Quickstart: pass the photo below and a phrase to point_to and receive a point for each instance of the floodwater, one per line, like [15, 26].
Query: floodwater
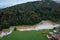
[6, 33]
[42, 25]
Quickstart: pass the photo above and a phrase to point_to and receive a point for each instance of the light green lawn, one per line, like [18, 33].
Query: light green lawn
[27, 35]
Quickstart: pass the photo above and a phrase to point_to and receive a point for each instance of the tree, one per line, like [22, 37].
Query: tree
[46, 0]
[0, 27]
[5, 25]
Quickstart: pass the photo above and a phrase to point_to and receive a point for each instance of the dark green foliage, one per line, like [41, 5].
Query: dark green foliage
[15, 29]
[4, 25]
[29, 13]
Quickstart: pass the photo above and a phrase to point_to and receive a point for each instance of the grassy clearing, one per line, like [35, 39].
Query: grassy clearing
[27, 35]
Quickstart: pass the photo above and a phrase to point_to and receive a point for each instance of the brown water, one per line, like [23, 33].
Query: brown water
[42, 25]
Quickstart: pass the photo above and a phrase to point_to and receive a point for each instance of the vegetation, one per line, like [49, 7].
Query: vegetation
[29, 13]
[58, 28]
[27, 35]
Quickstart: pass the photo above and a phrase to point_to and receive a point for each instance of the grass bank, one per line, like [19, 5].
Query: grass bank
[27, 35]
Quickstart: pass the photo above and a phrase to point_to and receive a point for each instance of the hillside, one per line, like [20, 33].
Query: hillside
[29, 13]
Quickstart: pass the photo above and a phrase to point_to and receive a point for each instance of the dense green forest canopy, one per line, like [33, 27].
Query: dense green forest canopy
[29, 13]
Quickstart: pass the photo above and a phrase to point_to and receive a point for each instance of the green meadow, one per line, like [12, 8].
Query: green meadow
[27, 35]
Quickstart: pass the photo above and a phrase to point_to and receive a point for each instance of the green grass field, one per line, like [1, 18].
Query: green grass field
[27, 35]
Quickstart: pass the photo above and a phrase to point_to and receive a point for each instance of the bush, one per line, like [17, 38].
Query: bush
[15, 29]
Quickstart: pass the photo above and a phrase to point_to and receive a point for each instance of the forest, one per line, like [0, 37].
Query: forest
[29, 13]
